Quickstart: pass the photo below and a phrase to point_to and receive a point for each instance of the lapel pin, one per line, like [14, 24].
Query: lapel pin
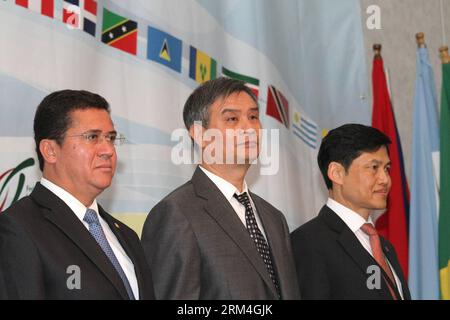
[117, 225]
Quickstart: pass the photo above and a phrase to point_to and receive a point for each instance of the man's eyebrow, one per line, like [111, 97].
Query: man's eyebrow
[380, 162]
[237, 110]
[99, 131]
[229, 110]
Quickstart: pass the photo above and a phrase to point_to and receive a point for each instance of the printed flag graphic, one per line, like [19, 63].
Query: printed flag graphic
[164, 49]
[44, 7]
[80, 14]
[277, 106]
[252, 83]
[305, 129]
[119, 32]
[201, 66]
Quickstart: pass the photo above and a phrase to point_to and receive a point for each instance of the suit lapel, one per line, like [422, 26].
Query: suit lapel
[116, 229]
[62, 217]
[351, 245]
[218, 207]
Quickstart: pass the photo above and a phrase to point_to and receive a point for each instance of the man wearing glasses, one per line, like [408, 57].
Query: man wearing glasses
[58, 242]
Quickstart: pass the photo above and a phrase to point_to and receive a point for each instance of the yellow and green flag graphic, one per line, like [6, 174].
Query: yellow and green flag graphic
[201, 66]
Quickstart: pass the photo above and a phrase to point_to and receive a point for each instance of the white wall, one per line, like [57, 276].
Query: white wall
[400, 21]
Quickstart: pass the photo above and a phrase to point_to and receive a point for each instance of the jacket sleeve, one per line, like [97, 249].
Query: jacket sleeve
[172, 252]
[20, 264]
[294, 290]
[311, 268]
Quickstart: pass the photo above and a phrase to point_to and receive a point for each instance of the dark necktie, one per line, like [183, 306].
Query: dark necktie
[96, 231]
[378, 254]
[258, 238]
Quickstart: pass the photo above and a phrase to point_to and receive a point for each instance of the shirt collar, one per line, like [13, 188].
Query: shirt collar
[227, 188]
[73, 203]
[353, 220]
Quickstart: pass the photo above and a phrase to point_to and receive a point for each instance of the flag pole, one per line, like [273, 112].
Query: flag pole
[377, 51]
[420, 39]
[445, 58]
[377, 55]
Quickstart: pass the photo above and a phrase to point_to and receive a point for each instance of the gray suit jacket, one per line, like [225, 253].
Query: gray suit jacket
[198, 248]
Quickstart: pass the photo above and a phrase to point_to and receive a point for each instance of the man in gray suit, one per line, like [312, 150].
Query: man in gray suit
[212, 238]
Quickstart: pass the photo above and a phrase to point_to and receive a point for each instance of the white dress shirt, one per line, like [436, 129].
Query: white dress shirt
[80, 210]
[228, 190]
[354, 221]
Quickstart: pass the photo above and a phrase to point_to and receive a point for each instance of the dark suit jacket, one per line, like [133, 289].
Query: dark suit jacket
[3, 295]
[198, 246]
[332, 264]
[40, 237]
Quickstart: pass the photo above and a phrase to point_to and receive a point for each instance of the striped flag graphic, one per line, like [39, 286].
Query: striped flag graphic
[305, 129]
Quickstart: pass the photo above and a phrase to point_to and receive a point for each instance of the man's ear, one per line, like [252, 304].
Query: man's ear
[196, 133]
[49, 150]
[336, 172]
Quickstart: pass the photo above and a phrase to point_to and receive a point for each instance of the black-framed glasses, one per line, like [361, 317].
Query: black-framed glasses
[95, 137]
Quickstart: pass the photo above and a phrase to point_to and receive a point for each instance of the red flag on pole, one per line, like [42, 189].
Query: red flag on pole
[393, 224]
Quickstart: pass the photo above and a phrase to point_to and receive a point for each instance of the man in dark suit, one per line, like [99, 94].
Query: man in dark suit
[58, 243]
[339, 254]
[212, 238]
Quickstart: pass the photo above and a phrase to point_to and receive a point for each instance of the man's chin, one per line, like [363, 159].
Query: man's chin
[380, 206]
[246, 160]
[102, 184]
[248, 157]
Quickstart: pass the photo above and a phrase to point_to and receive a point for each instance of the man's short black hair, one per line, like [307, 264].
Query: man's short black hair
[53, 115]
[197, 105]
[346, 143]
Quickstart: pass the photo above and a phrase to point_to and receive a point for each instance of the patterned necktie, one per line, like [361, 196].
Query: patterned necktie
[379, 255]
[258, 238]
[97, 232]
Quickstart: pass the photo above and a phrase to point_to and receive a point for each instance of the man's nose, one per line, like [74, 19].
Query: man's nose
[384, 177]
[246, 124]
[106, 147]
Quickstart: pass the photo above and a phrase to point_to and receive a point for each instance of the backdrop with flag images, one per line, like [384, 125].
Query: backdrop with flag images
[146, 57]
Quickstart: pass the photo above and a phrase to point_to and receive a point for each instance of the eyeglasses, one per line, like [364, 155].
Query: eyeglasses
[94, 137]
